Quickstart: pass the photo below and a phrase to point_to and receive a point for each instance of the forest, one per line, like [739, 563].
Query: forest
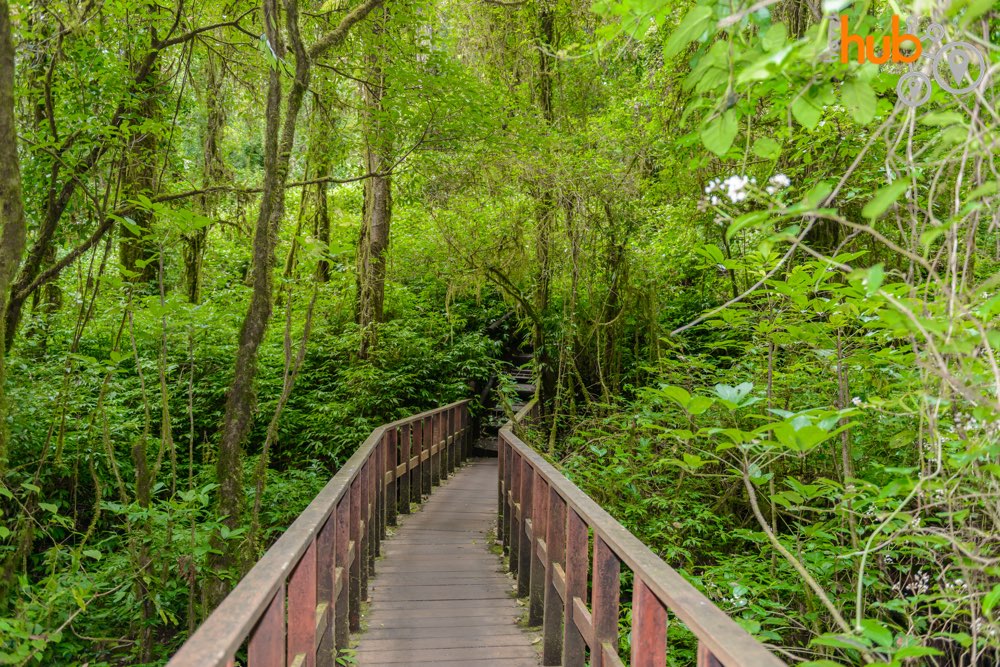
[760, 283]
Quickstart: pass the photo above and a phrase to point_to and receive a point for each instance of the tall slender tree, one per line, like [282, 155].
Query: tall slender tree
[279, 138]
[12, 222]
[377, 208]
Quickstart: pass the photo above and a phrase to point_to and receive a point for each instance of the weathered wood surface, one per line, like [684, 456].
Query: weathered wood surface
[440, 596]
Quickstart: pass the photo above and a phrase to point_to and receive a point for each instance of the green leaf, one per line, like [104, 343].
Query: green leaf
[885, 198]
[699, 404]
[746, 220]
[976, 9]
[877, 632]
[677, 394]
[873, 279]
[131, 225]
[860, 100]
[92, 553]
[806, 110]
[775, 37]
[719, 133]
[733, 394]
[690, 29]
[991, 599]
[942, 118]
[767, 148]
[916, 652]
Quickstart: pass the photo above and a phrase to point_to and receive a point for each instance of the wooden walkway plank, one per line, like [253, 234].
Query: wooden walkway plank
[440, 596]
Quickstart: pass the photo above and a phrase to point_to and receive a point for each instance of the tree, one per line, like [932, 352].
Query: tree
[373, 244]
[13, 228]
[281, 116]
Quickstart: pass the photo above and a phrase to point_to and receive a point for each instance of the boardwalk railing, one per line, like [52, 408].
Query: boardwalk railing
[299, 603]
[546, 524]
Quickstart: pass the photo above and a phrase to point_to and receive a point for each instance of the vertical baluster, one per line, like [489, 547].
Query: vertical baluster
[426, 440]
[552, 617]
[705, 656]
[467, 433]
[508, 473]
[539, 531]
[445, 426]
[649, 628]
[453, 436]
[342, 574]
[577, 547]
[302, 609]
[267, 639]
[607, 582]
[364, 528]
[392, 492]
[501, 504]
[514, 525]
[378, 475]
[372, 521]
[527, 539]
[436, 440]
[406, 481]
[325, 583]
[356, 562]
[462, 433]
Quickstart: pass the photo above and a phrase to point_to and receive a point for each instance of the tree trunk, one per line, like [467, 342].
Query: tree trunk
[545, 219]
[213, 172]
[238, 418]
[377, 209]
[13, 229]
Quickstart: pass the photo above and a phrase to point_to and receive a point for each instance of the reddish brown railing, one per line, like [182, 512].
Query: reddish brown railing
[546, 524]
[299, 603]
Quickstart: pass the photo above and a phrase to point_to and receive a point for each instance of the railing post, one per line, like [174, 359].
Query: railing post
[501, 486]
[343, 574]
[371, 519]
[445, 439]
[539, 542]
[461, 417]
[326, 572]
[453, 436]
[513, 500]
[577, 546]
[435, 427]
[392, 491]
[524, 547]
[555, 553]
[508, 474]
[649, 627]
[607, 583]
[364, 529]
[405, 493]
[426, 441]
[302, 610]
[355, 558]
[705, 656]
[267, 639]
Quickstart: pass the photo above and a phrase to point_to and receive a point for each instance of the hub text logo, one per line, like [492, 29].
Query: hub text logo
[958, 67]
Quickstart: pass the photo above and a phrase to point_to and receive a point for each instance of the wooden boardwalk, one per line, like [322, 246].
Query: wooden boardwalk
[439, 595]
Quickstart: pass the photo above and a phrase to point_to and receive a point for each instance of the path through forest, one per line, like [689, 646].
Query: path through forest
[440, 596]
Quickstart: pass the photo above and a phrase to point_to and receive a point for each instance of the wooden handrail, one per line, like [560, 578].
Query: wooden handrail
[545, 525]
[320, 566]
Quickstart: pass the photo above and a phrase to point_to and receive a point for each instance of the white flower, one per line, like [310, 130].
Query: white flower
[780, 181]
[736, 188]
[856, 400]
